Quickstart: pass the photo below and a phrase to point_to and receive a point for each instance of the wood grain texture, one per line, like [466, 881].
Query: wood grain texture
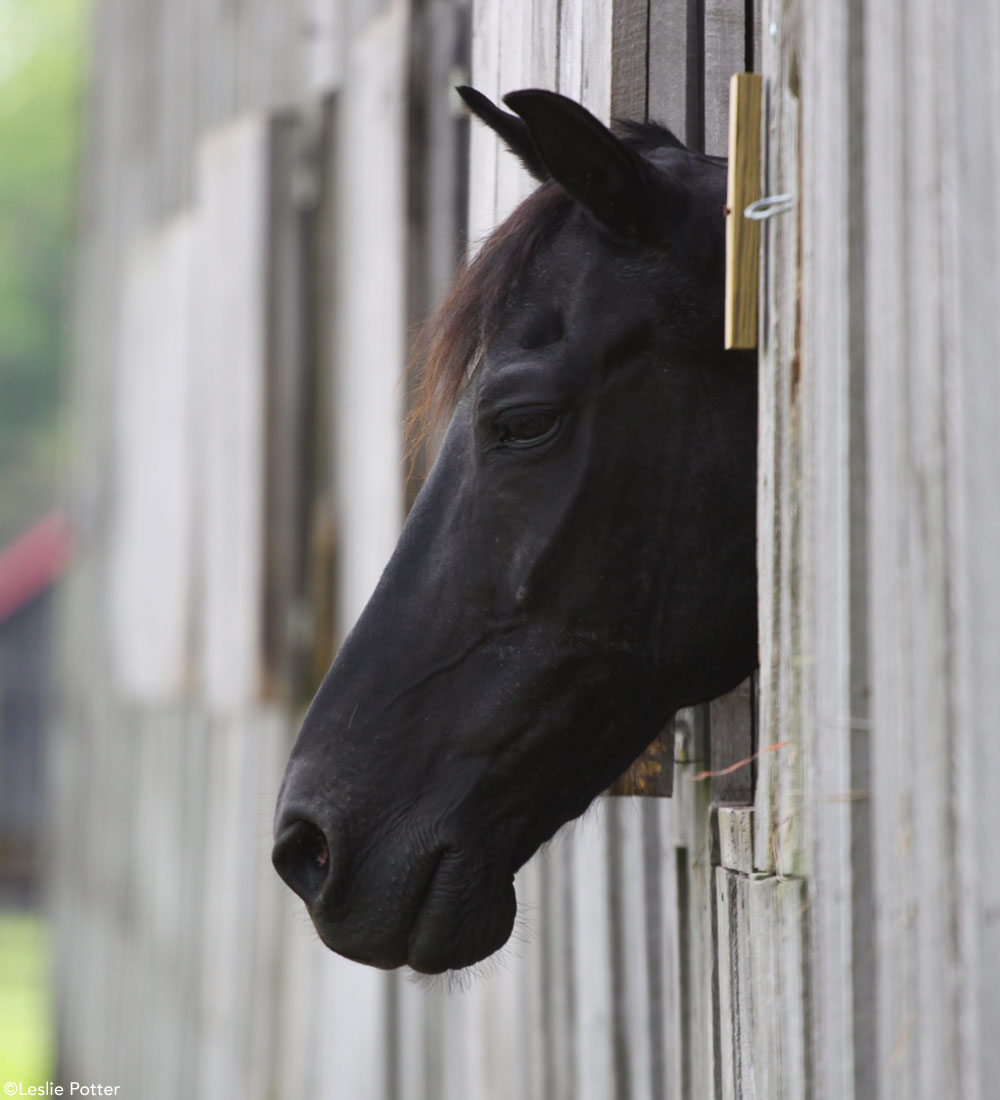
[725, 54]
[742, 233]
[673, 81]
[629, 50]
[972, 217]
[778, 838]
[731, 746]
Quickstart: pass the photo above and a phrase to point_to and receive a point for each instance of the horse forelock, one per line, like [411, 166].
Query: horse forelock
[453, 340]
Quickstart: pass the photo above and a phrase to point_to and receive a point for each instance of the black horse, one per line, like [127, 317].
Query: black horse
[578, 565]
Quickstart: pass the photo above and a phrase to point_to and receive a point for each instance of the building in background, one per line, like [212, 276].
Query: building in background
[30, 567]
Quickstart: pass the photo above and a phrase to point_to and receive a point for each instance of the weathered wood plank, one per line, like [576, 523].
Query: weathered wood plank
[370, 288]
[834, 509]
[666, 984]
[353, 1006]
[629, 41]
[730, 723]
[909, 82]
[596, 74]
[154, 522]
[290, 391]
[559, 1002]
[231, 867]
[570, 50]
[515, 71]
[776, 1041]
[674, 69]
[972, 284]
[593, 981]
[484, 149]
[777, 842]
[632, 976]
[230, 357]
[735, 825]
[725, 54]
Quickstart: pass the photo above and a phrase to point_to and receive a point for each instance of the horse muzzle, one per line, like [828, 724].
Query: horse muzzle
[405, 901]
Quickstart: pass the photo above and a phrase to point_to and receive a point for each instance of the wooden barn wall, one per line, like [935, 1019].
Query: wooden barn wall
[878, 559]
[274, 193]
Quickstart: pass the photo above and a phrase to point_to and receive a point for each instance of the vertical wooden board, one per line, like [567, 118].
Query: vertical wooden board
[230, 360]
[516, 44]
[973, 417]
[592, 976]
[668, 1043]
[233, 917]
[694, 906]
[484, 147]
[193, 811]
[556, 944]
[912, 709]
[895, 799]
[545, 44]
[217, 63]
[452, 1049]
[263, 780]
[157, 917]
[175, 90]
[629, 57]
[777, 467]
[776, 983]
[319, 31]
[673, 76]
[835, 541]
[290, 414]
[528, 964]
[735, 825]
[151, 553]
[731, 734]
[725, 54]
[371, 307]
[353, 1030]
[494, 1050]
[633, 976]
[571, 48]
[597, 58]
[730, 1017]
[225, 933]
[415, 1054]
[439, 58]
[300, 1028]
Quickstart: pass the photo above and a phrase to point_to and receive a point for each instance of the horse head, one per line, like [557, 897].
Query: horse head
[579, 563]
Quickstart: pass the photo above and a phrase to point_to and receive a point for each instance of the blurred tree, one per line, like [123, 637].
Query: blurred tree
[41, 55]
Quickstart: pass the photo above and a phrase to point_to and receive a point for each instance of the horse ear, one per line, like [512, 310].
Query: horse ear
[508, 127]
[583, 156]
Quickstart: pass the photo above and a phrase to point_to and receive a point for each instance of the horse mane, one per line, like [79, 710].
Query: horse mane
[453, 340]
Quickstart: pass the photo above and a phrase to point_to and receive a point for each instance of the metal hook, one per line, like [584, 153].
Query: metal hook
[769, 207]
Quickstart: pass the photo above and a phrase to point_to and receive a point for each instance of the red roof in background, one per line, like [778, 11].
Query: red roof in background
[33, 561]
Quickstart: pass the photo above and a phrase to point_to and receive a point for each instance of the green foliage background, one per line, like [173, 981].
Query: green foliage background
[25, 1028]
[41, 72]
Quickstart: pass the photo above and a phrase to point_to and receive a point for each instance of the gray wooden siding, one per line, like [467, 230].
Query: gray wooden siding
[273, 194]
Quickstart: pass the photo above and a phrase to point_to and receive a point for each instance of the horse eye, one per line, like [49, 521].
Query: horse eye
[527, 426]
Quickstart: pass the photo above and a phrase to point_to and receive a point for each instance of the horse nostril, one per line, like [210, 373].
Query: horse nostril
[301, 856]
